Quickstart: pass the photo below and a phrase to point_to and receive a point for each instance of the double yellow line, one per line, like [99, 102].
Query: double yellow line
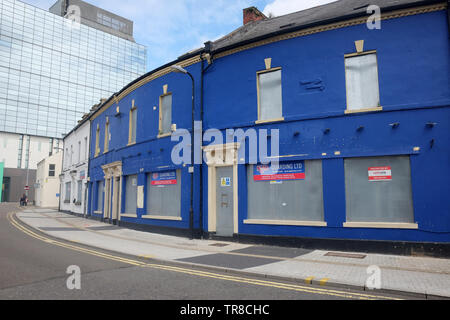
[69, 246]
[266, 283]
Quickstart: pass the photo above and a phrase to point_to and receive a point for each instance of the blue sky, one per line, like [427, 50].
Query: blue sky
[170, 28]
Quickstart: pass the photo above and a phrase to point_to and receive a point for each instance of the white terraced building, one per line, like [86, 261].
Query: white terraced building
[75, 169]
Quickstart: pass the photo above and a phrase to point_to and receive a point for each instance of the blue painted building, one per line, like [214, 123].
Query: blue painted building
[361, 113]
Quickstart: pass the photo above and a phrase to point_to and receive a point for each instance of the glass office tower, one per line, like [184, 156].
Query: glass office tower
[53, 70]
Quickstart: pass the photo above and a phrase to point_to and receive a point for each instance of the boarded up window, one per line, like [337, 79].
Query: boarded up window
[165, 114]
[361, 76]
[269, 95]
[378, 189]
[130, 194]
[133, 125]
[298, 199]
[100, 196]
[164, 193]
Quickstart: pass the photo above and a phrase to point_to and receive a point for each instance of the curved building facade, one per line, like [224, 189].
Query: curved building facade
[357, 119]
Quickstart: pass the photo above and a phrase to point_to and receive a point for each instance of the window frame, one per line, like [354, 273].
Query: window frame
[86, 153]
[79, 151]
[107, 136]
[386, 160]
[79, 192]
[160, 132]
[100, 198]
[71, 155]
[148, 191]
[302, 221]
[68, 192]
[127, 189]
[357, 54]
[97, 141]
[258, 91]
[51, 170]
[132, 128]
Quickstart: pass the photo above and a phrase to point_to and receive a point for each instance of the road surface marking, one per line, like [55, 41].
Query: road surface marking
[279, 285]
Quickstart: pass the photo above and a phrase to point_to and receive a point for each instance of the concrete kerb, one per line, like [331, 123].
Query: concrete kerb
[231, 271]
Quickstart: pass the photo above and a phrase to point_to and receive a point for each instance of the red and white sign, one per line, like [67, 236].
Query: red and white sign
[164, 178]
[26, 188]
[380, 173]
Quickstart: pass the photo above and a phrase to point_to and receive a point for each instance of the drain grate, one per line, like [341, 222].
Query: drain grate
[345, 255]
[218, 244]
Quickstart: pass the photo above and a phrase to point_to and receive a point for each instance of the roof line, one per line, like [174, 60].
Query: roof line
[256, 39]
[323, 22]
[114, 95]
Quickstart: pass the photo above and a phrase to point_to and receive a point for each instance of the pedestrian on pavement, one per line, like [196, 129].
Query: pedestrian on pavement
[23, 200]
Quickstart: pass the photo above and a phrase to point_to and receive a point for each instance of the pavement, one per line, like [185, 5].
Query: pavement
[418, 277]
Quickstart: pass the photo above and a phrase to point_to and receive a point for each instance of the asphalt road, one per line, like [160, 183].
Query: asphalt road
[33, 268]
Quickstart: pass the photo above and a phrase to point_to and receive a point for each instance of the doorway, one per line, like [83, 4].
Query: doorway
[222, 189]
[115, 199]
[113, 191]
[224, 201]
[5, 189]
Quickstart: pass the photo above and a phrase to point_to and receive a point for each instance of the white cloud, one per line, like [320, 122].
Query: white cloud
[282, 7]
[172, 28]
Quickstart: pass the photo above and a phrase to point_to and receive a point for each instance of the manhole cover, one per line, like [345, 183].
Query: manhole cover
[218, 244]
[186, 244]
[345, 255]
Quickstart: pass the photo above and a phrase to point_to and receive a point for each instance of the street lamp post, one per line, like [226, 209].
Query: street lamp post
[177, 68]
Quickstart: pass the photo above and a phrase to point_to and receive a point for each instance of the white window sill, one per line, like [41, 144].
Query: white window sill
[162, 135]
[286, 222]
[269, 120]
[128, 215]
[363, 110]
[148, 216]
[389, 225]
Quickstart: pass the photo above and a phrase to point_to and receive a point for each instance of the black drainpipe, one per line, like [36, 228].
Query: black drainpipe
[448, 17]
[207, 51]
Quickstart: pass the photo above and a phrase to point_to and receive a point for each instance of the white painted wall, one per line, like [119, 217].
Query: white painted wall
[47, 187]
[9, 147]
[75, 169]
[39, 148]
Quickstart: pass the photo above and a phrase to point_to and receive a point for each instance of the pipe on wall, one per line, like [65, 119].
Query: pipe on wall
[207, 50]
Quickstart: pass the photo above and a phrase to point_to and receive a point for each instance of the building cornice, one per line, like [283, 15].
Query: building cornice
[155, 75]
[332, 26]
[289, 35]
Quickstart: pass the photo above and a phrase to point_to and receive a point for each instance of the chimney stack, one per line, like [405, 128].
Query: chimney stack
[252, 14]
